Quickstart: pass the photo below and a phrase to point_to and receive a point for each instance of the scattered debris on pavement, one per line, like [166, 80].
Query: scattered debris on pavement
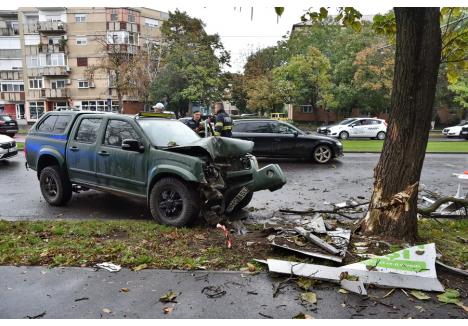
[227, 234]
[412, 268]
[169, 297]
[213, 291]
[37, 316]
[108, 267]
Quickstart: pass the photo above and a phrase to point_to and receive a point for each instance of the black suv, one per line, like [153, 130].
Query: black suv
[273, 138]
[8, 125]
[464, 133]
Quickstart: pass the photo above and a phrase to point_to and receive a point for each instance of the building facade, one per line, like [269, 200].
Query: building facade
[49, 51]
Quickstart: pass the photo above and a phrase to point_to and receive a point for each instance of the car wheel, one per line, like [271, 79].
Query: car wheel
[55, 186]
[344, 135]
[174, 202]
[381, 135]
[322, 154]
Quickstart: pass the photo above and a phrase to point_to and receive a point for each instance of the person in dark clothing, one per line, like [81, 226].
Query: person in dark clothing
[223, 122]
[196, 123]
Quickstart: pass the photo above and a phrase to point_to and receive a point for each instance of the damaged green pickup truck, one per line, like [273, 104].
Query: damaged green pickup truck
[181, 175]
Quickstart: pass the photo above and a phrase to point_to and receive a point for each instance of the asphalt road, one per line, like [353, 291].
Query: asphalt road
[84, 293]
[308, 185]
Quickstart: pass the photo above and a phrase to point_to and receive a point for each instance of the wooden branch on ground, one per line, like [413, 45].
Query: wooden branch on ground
[428, 212]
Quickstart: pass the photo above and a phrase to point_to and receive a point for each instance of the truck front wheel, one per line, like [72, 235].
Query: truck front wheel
[174, 202]
[55, 186]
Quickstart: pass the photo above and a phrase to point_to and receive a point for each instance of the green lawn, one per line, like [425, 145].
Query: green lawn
[20, 145]
[432, 147]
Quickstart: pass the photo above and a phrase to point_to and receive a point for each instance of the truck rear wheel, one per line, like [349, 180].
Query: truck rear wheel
[174, 202]
[55, 186]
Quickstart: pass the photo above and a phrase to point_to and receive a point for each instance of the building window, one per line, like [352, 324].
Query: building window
[99, 105]
[33, 61]
[83, 84]
[82, 62]
[131, 18]
[81, 40]
[36, 110]
[55, 59]
[12, 87]
[53, 18]
[35, 83]
[151, 22]
[54, 40]
[56, 84]
[80, 18]
[114, 15]
[306, 109]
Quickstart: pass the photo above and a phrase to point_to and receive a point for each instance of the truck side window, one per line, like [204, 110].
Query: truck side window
[88, 130]
[117, 131]
[48, 124]
[61, 124]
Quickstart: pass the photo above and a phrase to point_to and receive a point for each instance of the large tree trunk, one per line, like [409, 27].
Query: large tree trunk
[393, 208]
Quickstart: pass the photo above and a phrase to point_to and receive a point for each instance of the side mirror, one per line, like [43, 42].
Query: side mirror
[295, 133]
[132, 145]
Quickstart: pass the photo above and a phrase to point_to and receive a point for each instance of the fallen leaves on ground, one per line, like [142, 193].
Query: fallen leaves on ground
[124, 290]
[449, 296]
[302, 315]
[420, 295]
[140, 267]
[343, 291]
[168, 297]
[168, 310]
[309, 297]
[305, 283]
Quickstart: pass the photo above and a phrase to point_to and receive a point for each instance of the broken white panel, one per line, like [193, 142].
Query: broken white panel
[109, 267]
[340, 238]
[417, 260]
[316, 225]
[337, 259]
[354, 286]
[412, 268]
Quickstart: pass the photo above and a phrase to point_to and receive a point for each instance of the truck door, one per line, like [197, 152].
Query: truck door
[118, 168]
[81, 149]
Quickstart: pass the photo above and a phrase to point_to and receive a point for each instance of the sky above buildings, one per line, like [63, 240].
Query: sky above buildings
[244, 26]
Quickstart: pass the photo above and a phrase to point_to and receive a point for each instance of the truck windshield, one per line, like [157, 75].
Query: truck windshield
[167, 133]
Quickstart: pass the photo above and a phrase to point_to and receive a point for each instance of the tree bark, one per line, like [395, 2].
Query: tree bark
[393, 207]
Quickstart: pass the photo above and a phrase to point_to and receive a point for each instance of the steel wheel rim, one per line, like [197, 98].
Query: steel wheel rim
[380, 136]
[322, 154]
[170, 203]
[50, 186]
[344, 135]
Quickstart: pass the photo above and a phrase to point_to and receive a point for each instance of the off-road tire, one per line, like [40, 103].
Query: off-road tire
[380, 135]
[186, 195]
[344, 135]
[55, 186]
[322, 154]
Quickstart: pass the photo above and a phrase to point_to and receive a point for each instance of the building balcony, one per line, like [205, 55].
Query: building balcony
[8, 31]
[12, 96]
[11, 75]
[122, 48]
[52, 48]
[45, 27]
[54, 93]
[49, 71]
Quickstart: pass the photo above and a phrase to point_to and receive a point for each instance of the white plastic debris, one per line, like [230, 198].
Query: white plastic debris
[109, 267]
[412, 268]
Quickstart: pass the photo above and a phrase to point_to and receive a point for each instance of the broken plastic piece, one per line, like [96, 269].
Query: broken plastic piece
[109, 267]
[317, 241]
[402, 269]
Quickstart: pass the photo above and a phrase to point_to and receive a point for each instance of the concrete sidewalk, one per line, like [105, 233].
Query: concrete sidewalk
[84, 293]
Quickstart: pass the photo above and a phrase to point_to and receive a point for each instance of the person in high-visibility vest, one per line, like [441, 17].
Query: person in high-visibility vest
[223, 122]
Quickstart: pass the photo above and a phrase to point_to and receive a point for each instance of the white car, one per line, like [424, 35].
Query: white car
[455, 131]
[359, 128]
[7, 147]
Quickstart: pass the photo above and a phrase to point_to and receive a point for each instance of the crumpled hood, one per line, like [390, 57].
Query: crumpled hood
[216, 147]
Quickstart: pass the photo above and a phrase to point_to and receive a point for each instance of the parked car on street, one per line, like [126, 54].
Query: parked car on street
[323, 129]
[359, 128]
[274, 138]
[180, 175]
[8, 147]
[464, 132]
[455, 131]
[8, 125]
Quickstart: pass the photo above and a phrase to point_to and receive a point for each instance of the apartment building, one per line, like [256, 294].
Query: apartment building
[57, 45]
